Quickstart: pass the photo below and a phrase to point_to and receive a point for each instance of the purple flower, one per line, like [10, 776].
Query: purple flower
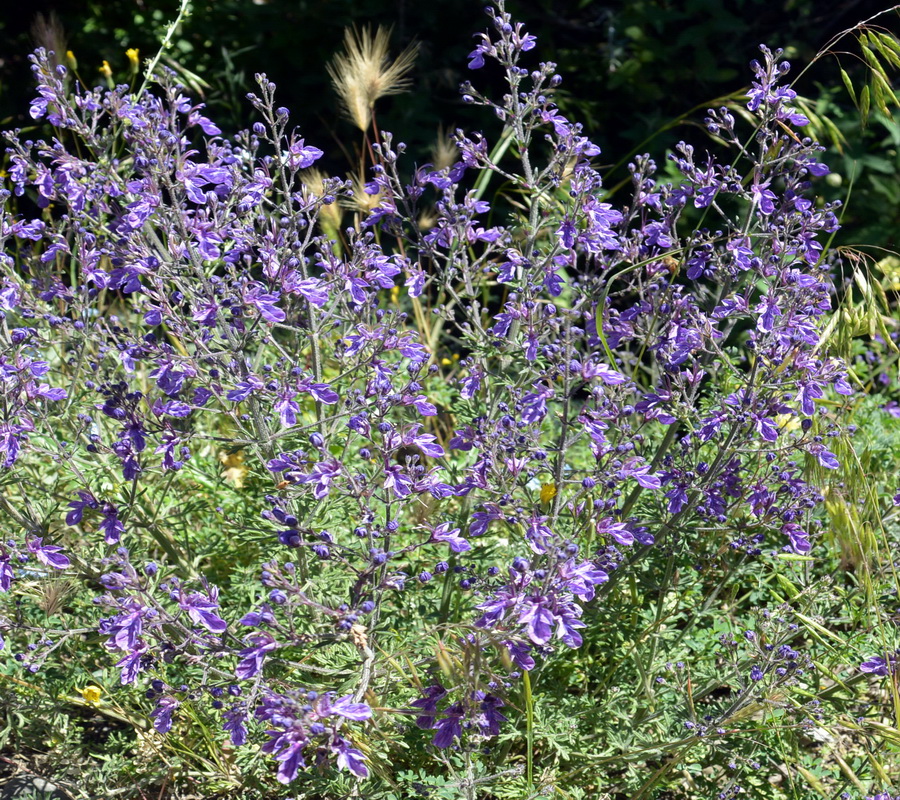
[124, 630]
[637, 469]
[490, 718]
[288, 749]
[678, 498]
[172, 408]
[539, 619]
[538, 534]
[206, 125]
[878, 665]
[426, 442]
[422, 405]
[295, 718]
[520, 652]
[767, 429]
[50, 555]
[349, 757]
[609, 376]
[824, 456]
[6, 575]
[346, 707]
[449, 727]
[265, 303]
[476, 57]
[580, 579]
[443, 533]
[200, 608]
[302, 156]
[397, 480]
[320, 391]
[798, 537]
[170, 377]
[428, 704]
[287, 407]
[244, 389]
[111, 526]
[535, 404]
[131, 666]
[252, 657]
[86, 500]
[236, 725]
[481, 519]
[322, 476]
[808, 393]
[162, 714]
[764, 196]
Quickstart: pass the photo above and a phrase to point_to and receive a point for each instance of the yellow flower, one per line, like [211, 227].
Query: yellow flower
[90, 693]
[105, 70]
[235, 468]
[548, 492]
[72, 61]
[787, 422]
[133, 53]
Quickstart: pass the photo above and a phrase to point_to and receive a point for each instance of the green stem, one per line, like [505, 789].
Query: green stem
[184, 10]
[497, 153]
[529, 730]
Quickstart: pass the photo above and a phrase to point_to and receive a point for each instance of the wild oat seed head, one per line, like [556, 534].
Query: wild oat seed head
[361, 201]
[444, 152]
[52, 595]
[363, 73]
[427, 220]
[314, 182]
[48, 32]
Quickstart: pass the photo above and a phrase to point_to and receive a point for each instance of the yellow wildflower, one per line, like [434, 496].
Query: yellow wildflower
[787, 422]
[235, 469]
[91, 694]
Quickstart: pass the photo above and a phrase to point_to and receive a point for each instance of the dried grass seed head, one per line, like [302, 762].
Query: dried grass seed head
[363, 72]
[361, 200]
[314, 182]
[48, 32]
[444, 152]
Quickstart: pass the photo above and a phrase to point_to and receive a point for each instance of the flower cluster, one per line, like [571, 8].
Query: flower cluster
[628, 377]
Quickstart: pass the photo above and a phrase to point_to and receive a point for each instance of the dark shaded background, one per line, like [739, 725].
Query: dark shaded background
[630, 66]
